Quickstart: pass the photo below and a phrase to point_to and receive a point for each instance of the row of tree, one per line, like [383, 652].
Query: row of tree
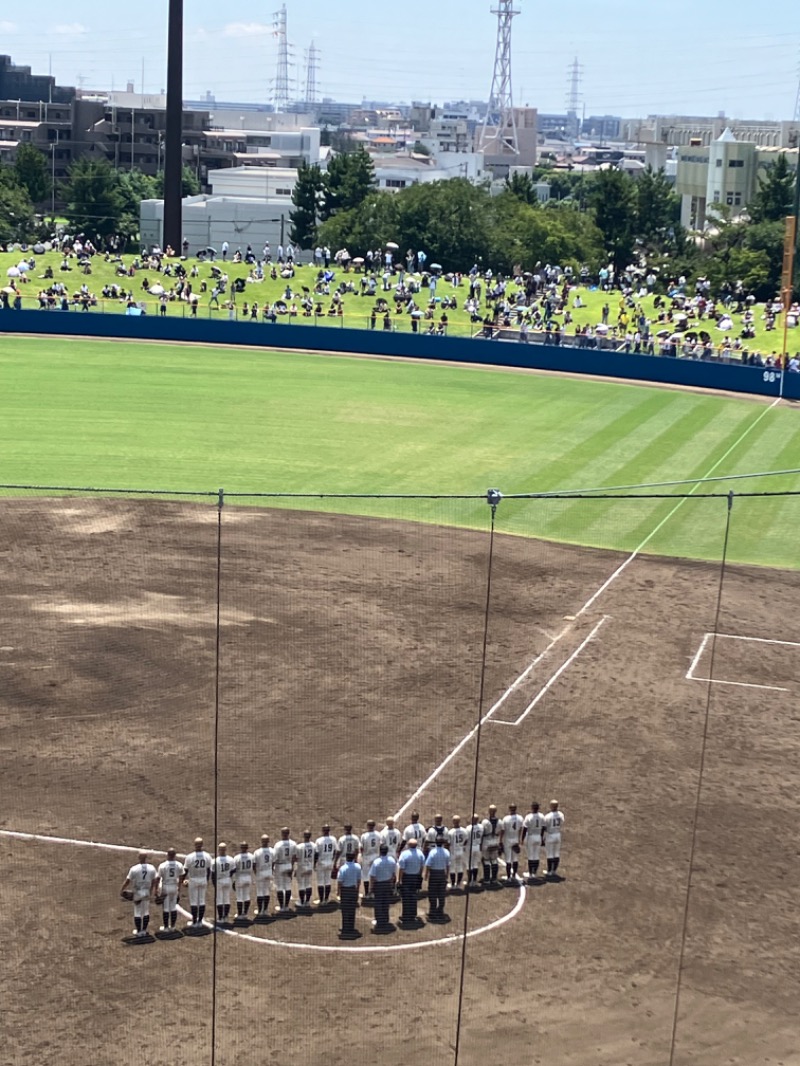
[98, 200]
[592, 218]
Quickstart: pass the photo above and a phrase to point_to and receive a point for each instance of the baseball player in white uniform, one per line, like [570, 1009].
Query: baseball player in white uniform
[490, 846]
[262, 863]
[553, 825]
[532, 838]
[170, 874]
[438, 829]
[347, 842]
[222, 876]
[458, 839]
[415, 831]
[392, 838]
[198, 872]
[510, 838]
[370, 850]
[306, 853]
[283, 862]
[475, 839]
[141, 880]
[325, 858]
[243, 865]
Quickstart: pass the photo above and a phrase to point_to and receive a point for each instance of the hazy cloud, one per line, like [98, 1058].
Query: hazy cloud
[246, 29]
[69, 29]
[8, 27]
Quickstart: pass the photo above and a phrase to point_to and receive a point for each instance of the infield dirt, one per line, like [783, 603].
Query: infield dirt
[348, 669]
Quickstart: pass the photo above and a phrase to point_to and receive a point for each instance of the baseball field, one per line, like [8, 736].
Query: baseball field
[169, 668]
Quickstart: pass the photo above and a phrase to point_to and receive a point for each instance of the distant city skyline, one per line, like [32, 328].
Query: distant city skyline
[636, 59]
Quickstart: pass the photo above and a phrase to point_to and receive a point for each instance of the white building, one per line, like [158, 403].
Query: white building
[394, 172]
[247, 205]
[262, 148]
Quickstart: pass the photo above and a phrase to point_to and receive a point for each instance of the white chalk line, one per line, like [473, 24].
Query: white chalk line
[690, 673]
[757, 640]
[554, 677]
[592, 599]
[462, 743]
[328, 948]
[486, 717]
[637, 551]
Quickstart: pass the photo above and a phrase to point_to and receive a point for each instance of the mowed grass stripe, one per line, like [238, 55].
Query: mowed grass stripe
[145, 416]
[675, 444]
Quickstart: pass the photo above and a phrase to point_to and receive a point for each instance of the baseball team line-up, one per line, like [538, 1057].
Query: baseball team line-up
[374, 866]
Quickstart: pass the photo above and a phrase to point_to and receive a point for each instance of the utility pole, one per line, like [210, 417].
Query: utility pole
[173, 163]
[499, 132]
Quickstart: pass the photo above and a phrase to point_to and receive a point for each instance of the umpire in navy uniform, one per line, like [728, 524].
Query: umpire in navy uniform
[382, 875]
[437, 867]
[348, 881]
[410, 866]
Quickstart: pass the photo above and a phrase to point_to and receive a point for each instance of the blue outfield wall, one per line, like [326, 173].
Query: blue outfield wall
[643, 368]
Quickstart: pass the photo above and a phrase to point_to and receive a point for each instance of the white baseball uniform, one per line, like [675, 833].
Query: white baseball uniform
[370, 850]
[283, 859]
[222, 873]
[325, 850]
[305, 864]
[437, 831]
[347, 843]
[534, 824]
[198, 871]
[553, 824]
[262, 863]
[414, 831]
[490, 841]
[141, 878]
[457, 846]
[474, 841]
[243, 875]
[393, 839]
[170, 875]
[512, 832]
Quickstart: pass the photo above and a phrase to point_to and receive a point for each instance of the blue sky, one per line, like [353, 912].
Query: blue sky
[685, 56]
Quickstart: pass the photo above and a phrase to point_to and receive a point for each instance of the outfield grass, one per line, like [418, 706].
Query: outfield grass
[91, 413]
[356, 308]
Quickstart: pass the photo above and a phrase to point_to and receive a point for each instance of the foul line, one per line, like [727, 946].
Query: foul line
[554, 677]
[487, 717]
[589, 603]
[637, 551]
[462, 743]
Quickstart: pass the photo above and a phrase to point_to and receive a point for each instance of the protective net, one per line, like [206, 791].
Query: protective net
[226, 666]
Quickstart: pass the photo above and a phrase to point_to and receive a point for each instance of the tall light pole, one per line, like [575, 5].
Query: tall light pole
[173, 155]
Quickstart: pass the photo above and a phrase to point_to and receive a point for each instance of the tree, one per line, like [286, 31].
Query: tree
[190, 183]
[521, 186]
[613, 200]
[774, 199]
[348, 182]
[657, 209]
[95, 203]
[133, 187]
[306, 197]
[16, 208]
[32, 172]
[449, 220]
[369, 226]
[418, 148]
